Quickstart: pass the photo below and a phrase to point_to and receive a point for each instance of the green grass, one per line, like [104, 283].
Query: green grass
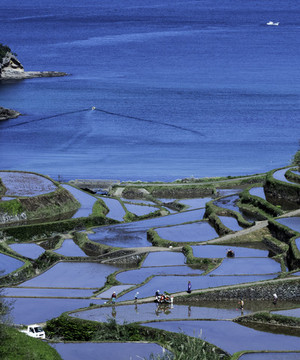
[15, 345]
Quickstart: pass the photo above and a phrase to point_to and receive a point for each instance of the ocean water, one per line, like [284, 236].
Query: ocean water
[181, 88]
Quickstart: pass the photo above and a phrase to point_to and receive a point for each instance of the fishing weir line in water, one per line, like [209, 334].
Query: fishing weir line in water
[181, 128]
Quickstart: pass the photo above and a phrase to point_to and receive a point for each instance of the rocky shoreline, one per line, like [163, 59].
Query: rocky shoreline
[12, 69]
[6, 114]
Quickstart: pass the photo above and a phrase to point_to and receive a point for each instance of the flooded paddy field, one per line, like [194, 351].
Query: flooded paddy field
[135, 234]
[32, 251]
[38, 310]
[164, 258]
[195, 203]
[73, 275]
[258, 191]
[116, 210]
[220, 310]
[250, 266]
[292, 222]
[220, 251]
[195, 232]
[271, 356]
[69, 248]
[140, 275]
[230, 336]
[120, 351]
[280, 175]
[231, 223]
[9, 264]
[25, 184]
[87, 201]
[47, 293]
[290, 312]
[140, 210]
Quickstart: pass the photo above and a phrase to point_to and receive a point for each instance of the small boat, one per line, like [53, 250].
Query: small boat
[272, 23]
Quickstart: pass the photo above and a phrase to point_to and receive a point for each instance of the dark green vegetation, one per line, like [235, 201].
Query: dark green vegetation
[269, 318]
[15, 345]
[65, 328]
[4, 49]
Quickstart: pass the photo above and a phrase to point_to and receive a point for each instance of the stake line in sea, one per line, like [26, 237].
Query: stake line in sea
[181, 128]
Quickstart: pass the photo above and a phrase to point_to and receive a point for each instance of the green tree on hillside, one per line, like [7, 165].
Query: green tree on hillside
[296, 158]
[4, 49]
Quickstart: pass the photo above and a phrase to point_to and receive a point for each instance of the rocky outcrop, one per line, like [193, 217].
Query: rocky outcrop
[6, 114]
[11, 68]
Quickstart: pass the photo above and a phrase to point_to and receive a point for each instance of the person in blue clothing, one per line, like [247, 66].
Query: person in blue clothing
[189, 290]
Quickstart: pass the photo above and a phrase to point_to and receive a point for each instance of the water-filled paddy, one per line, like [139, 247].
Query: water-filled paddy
[153, 311]
[116, 210]
[291, 222]
[139, 275]
[280, 175]
[220, 251]
[231, 336]
[137, 201]
[195, 203]
[8, 264]
[35, 310]
[298, 243]
[290, 312]
[69, 248]
[73, 275]
[32, 251]
[54, 293]
[258, 191]
[108, 351]
[25, 184]
[228, 202]
[271, 356]
[243, 266]
[173, 284]
[195, 232]
[135, 234]
[87, 201]
[164, 258]
[231, 223]
[140, 210]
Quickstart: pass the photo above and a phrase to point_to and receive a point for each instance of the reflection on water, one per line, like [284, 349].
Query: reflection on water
[173, 284]
[195, 203]
[231, 336]
[108, 351]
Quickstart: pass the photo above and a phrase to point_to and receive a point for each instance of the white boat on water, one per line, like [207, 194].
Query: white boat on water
[272, 23]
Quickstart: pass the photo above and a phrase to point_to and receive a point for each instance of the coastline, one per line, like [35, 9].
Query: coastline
[6, 114]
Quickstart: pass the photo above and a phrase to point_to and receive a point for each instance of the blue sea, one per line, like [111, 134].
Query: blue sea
[181, 88]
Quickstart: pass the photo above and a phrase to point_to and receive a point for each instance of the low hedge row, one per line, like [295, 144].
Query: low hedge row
[72, 329]
[291, 176]
[264, 208]
[43, 230]
[206, 264]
